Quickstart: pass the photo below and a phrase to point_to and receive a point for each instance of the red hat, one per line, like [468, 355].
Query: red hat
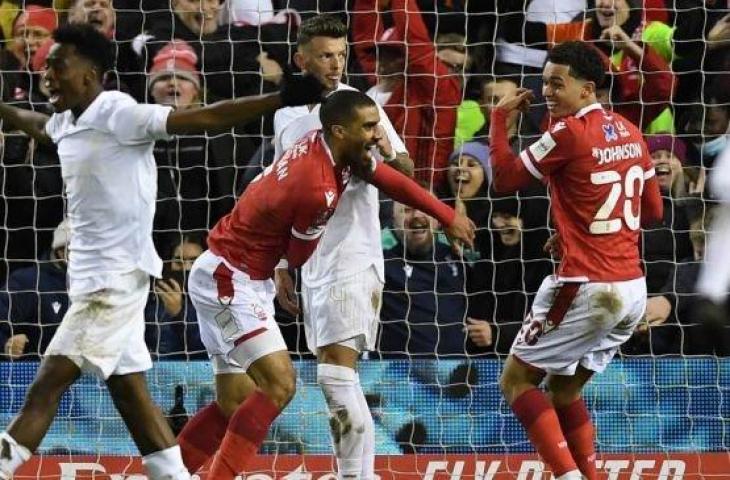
[36, 16]
[669, 143]
[38, 62]
[178, 59]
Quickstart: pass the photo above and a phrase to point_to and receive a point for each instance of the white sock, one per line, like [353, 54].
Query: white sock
[572, 475]
[12, 455]
[166, 464]
[368, 450]
[346, 420]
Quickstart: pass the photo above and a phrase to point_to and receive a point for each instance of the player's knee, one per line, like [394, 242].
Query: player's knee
[561, 395]
[228, 406]
[280, 388]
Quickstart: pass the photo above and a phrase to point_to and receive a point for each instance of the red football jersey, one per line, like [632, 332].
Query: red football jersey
[289, 202]
[595, 164]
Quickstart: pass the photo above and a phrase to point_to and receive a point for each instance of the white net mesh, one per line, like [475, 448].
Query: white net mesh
[437, 67]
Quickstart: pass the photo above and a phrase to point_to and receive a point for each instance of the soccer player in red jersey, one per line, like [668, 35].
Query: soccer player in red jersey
[602, 190]
[282, 213]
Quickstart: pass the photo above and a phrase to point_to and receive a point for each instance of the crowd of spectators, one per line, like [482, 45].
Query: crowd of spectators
[437, 67]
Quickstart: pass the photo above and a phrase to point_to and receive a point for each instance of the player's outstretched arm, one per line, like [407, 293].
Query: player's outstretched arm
[509, 173]
[32, 123]
[404, 190]
[223, 115]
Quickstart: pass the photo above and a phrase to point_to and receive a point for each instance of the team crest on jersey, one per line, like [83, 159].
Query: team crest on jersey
[609, 132]
[329, 197]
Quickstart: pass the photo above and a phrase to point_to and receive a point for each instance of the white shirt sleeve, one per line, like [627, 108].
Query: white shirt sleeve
[51, 127]
[395, 140]
[293, 131]
[139, 123]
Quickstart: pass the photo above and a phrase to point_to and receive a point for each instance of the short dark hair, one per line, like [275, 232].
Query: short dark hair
[340, 107]
[584, 60]
[89, 43]
[325, 25]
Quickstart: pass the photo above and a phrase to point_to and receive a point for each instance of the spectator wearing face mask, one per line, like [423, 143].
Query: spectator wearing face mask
[707, 125]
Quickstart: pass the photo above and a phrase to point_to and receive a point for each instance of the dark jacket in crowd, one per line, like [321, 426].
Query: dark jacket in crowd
[33, 302]
[173, 338]
[666, 244]
[424, 304]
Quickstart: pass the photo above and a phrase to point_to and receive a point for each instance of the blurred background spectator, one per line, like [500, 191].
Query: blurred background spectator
[419, 91]
[197, 175]
[172, 328]
[424, 301]
[34, 301]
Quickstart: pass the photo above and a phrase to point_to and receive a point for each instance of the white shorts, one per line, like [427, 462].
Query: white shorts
[345, 312]
[103, 331]
[579, 323]
[235, 314]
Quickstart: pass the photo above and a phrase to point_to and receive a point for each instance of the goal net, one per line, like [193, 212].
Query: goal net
[447, 322]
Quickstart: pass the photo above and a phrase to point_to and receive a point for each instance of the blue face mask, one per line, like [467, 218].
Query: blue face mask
[713, 147]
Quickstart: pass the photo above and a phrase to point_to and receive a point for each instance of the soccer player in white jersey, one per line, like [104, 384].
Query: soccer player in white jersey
[715, 275]
[105, 142]
[342, 283]
[602, 190]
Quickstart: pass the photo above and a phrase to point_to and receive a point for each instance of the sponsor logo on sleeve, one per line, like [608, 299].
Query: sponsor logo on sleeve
[542, 147]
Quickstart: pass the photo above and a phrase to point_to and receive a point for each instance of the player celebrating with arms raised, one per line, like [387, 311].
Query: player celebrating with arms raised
[602, 189]
[105, 142]
[283, 212]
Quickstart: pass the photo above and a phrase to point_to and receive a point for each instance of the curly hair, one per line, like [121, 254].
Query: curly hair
[584, 60]
[89, 43]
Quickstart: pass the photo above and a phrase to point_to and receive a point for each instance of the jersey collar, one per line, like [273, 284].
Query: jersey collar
[588, 108]
[327, 148]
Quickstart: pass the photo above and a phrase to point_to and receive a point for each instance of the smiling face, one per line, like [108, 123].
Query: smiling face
[667, 168]
[68, 78]
[414, 229]
[612, 12]
[466, 176]
[354, 142]
[325, 58]
[200, 16]
[509, 228]
[97, 13]
[564, 93]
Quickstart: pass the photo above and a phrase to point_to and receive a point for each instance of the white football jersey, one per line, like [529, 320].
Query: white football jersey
[111, 187]
[351, 242]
